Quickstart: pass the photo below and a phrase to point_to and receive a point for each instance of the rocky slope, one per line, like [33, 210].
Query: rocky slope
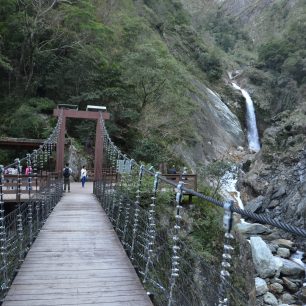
[273, 181]
[217, 126]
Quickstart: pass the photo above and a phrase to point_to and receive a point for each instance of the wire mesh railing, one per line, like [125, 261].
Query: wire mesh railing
[34, 196]
[147, 213]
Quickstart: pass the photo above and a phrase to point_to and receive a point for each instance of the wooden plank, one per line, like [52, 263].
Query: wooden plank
[120, 301]
[51, 294]
[115, 295]
[77, 259]
[73, 282]
[68, 288]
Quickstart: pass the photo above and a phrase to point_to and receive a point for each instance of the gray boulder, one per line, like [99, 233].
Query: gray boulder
[291, 286]
[273, 204]
[287, 298]
[302, 295]
[270, 299]
[284, 243]
[283, 252]
[255, 204]
[252, 228]
[281, 191]
[302, 189]
[276, 288]
[261, 286]
[291, 268]
[263, 259]
[273, 248]
[279, 264]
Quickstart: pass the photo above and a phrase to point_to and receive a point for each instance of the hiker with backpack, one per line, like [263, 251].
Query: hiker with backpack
[66, 174]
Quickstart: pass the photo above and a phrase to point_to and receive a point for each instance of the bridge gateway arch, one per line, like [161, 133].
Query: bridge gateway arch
[91, 115]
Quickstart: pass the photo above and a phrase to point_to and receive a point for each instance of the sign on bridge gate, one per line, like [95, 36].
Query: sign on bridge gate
[124, 166]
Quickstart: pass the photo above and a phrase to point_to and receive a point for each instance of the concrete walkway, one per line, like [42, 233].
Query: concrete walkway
[77, 259]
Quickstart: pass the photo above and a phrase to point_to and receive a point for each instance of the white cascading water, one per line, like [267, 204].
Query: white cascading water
[253, 138]
[228, 189]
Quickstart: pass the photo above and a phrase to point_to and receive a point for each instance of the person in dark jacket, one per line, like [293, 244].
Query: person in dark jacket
[172, 170]
[66, 174]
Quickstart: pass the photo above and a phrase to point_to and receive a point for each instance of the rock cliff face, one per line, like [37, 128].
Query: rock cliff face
[219, 129]
[273, 181]
[276, 182]
[252, 15]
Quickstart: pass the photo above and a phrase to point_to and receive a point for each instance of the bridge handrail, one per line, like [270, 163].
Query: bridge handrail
[128, 216]
[19, 228]
[263, 219]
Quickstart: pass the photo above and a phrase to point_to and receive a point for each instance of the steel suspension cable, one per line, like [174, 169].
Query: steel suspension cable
[264, 219]
[149, 246]
[245, 213]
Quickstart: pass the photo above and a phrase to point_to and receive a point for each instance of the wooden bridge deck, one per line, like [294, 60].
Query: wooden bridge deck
[77, 259]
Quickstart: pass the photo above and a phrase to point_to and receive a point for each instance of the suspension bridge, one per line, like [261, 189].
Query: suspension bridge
[63, 248]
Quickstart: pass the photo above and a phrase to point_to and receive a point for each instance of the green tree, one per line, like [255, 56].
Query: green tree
[274, 53]
[27, 120]
[210, 63]
[214, 172]
[146, 71]
[225, 30]
[295, 66]
[295, 35]
[149, 150]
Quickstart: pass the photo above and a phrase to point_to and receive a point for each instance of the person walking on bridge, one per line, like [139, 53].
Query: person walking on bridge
[66, 174]
[83, 176]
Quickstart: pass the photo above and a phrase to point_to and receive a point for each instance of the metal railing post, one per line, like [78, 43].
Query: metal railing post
[136, 213]
[127, 204]
[43, 207]
[45, 158]
[114, 196]
[226, 256]
[121, 197]
[152, 227]
[19, 214]
[175, 249]
[30, 207]
[20, 233]
[3, 239]
[35, 171]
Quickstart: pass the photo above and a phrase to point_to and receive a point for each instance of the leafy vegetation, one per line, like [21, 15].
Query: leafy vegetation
[225, 30]
[207, 234]
[70, 52]
[141, 59]
[214, 173]
[274, 53]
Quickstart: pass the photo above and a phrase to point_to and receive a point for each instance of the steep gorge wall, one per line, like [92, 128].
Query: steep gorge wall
[212, 129]
[272, 181]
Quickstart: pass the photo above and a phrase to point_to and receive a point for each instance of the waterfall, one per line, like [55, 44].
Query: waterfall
[253, 138]
[228, 189]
